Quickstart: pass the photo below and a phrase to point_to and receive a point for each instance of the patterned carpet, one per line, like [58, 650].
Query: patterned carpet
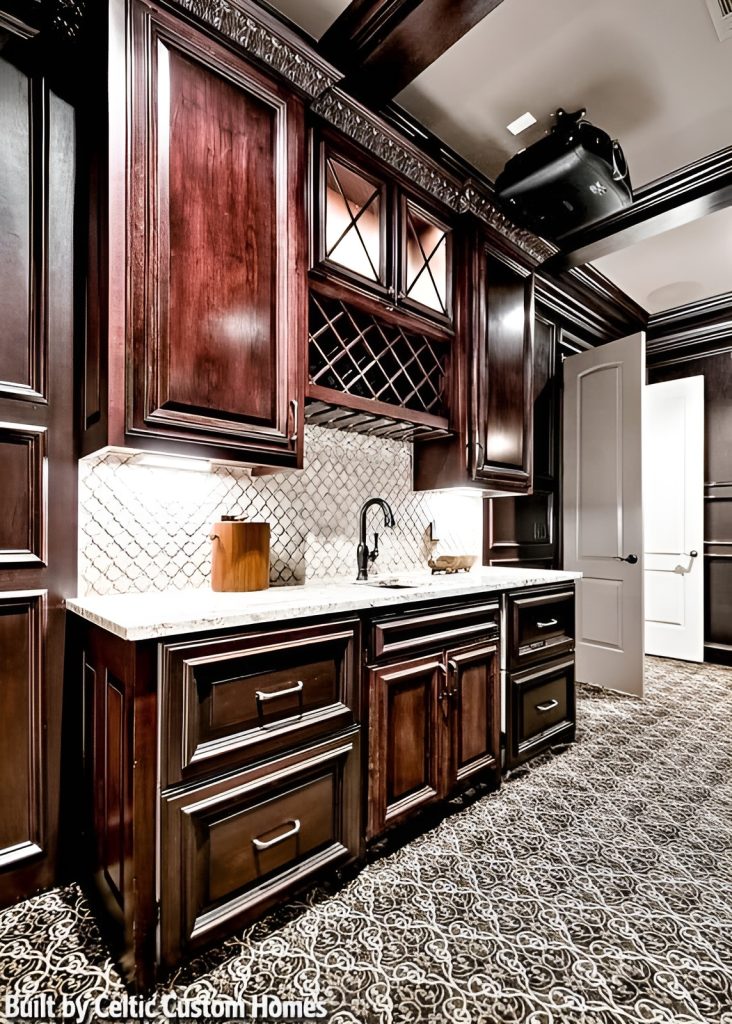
[595, 887]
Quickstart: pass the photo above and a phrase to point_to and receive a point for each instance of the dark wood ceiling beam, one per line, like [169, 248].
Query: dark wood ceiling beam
[685, 195]
[382, 45]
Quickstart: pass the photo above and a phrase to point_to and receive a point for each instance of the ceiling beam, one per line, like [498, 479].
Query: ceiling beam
[382, 45]
[685, 195]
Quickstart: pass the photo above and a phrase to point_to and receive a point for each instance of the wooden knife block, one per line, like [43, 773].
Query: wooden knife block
[240, 556]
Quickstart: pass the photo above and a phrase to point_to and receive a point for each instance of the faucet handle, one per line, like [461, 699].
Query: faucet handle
[374, 552]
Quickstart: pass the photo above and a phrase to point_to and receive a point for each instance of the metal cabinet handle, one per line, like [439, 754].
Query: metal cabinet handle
[453, 669]
[262, 696]
[546, 625]
[548, 706]
[260, 845]
[632, 559]
[693, 554]
[294, 409]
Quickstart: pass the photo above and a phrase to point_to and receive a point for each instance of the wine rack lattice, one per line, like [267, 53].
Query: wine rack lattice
[358, 354]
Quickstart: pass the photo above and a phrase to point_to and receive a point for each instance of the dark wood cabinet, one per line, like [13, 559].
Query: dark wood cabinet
[539, 671]
[491, 394]
[37, 468]
[375, 236]
[236, 756]
[206, 313]
[434, 718]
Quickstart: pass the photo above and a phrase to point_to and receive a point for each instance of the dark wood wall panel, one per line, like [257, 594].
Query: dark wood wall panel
[22, 826]
[21, 218]
[37, 457]
[114, 738]
[23, 498]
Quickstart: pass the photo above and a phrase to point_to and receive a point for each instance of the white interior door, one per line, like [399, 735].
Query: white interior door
[673, 517]
[603, 517]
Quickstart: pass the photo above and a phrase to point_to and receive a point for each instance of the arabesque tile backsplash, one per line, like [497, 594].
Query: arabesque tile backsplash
[146, 527]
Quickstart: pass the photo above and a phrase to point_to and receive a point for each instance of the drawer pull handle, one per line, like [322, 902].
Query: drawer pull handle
[548, 706]
[297, 688]
[546, 625]
[265, 844]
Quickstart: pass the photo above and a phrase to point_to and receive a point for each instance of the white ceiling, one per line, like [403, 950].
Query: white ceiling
[690, 262]
[650, 72]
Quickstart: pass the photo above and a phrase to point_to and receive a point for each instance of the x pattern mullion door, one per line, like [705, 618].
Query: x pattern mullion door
[353, 222]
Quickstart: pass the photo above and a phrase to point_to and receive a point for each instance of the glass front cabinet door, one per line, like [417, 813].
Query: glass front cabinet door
[375, 238]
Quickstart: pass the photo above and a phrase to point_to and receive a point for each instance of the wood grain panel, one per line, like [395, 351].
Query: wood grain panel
[218, 212]
[23, 497]
[474, 712]
[115, 747]
[405, 741]
[217, 324]
[22, 825]
[15, 226]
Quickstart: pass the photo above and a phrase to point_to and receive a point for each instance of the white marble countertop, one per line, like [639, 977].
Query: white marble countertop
[168, 613]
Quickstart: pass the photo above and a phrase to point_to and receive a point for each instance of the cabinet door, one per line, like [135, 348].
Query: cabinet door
[475, 712]
[502, 412]
[408, 705]
[216, 207]
[425, 261]
[540, 706]
[352, 221]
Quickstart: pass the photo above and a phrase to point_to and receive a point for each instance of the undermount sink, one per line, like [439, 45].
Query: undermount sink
[391, 584]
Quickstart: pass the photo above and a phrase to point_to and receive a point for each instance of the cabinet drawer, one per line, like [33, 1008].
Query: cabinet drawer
[542, 626]
[541, 709]
[234, 847]
[229, 701]
[402, 633]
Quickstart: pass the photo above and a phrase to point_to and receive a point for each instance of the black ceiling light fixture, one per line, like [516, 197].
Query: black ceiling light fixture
[573, 177]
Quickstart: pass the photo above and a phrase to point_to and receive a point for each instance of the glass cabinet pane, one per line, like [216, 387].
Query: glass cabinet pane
[426, 276]
[353, 209]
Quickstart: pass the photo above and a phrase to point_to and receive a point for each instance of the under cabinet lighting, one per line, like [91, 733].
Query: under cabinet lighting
[521, 123]
[178, 462]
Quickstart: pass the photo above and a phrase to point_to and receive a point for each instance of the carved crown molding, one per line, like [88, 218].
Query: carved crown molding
[354, 121]
[477, 201]
[249, 28]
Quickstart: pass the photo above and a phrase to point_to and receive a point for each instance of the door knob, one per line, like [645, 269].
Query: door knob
[632, 559]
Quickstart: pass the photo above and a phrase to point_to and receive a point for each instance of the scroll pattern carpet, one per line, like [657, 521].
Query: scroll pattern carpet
[594, 888]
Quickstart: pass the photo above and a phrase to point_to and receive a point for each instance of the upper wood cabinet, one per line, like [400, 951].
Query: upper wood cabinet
[491, 397]
[207, 276]
[376, 237]
[502, 375]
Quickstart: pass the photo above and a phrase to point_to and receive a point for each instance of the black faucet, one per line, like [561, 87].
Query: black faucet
[364, 555]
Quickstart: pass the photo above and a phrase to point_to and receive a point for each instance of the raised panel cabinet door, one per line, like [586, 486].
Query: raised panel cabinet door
[502, 380]
[37, 464]
[408, 709]
[216, 200]
[474, 712]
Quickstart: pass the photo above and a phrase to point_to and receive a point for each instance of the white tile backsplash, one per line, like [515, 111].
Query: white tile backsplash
[146, 527]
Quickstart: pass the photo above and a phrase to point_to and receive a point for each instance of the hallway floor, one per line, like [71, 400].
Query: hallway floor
[595, 887]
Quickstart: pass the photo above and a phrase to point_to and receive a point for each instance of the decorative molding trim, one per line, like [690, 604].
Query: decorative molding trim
[365, 128]
[699, 329]
[478, 201]
[264, 38]
[586, 301]
[368, 130]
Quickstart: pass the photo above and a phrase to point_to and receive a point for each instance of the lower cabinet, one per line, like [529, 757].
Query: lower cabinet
[539, 677]
[540, 709]
[434, 724]
[232, 848]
